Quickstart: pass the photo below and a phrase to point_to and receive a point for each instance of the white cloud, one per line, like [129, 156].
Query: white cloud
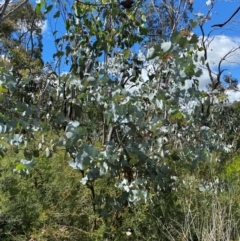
[227, 49]
[220, 46]
[209, 2]
[233, 95]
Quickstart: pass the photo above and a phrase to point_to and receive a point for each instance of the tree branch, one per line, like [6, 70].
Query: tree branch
[11, 12]
[221, 25]
[3, 8]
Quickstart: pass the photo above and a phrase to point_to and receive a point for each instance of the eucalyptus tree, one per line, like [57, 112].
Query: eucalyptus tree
[127, 125]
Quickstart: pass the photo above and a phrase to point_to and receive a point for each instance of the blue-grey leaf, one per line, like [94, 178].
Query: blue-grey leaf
[69, 135]
[47, 151]
[166, 46]
[84, 180]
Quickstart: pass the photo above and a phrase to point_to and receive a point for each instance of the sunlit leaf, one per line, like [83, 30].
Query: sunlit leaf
[3, 89]
[166, 46]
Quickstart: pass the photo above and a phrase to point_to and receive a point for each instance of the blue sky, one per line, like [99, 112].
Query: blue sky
[225, 38]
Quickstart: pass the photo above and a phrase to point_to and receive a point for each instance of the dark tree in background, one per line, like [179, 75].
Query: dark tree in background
[231, 82]
[165, 17]
[21, 38]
